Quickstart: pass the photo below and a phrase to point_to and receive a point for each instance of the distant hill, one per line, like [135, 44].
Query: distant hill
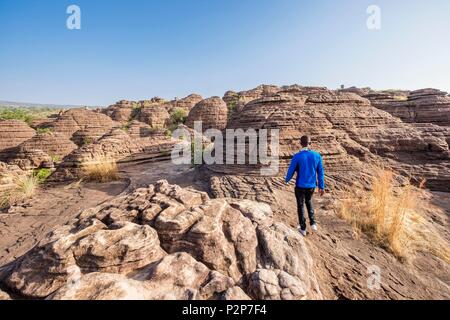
[39, 105]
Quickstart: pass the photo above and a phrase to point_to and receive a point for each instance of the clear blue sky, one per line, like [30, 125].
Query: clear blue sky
[137, 49]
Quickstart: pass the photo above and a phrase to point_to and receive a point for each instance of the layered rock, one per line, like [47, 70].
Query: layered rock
[117, 145]
[72, 120]
[42, 150]
[212, 112]
[185, 104]
[121, 111]
[352, 136]
[7, 172]
[112, 146]
[165, 242]
[13, 133]
[88, 135]
[156, 117]
[29, 158]
[420, 106]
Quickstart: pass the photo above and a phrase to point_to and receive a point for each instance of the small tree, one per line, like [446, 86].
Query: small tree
[178, 116]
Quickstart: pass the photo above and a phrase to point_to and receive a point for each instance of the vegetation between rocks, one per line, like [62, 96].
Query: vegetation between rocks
[100, 170]
[22, 187]
[392, 216]
[25, 114]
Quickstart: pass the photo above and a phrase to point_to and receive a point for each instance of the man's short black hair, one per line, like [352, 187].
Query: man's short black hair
[305, 141]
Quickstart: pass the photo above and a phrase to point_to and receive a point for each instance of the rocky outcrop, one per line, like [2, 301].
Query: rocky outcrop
[121, 111]
[113, 146]
[212, 112]
[165, 242]
[87, 136]
[420, 106]
[13, 133]
[72, 120]
[4, 296]
[156, 117]
[352, 136]
[185, 104]
[41, 151]
[29, 158]
[139, 143]
[7, 172]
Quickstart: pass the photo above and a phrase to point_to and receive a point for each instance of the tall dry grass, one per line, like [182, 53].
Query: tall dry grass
[22, 187]
[393, 217]
[100, 170]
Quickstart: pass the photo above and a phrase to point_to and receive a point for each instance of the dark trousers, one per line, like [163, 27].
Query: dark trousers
[304, 196]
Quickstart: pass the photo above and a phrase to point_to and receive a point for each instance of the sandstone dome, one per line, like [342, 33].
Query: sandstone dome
[72, 120]
[13, 133]
[213, 112]
[155, 116]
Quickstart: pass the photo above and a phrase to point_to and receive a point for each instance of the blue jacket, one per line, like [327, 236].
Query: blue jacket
[309, 167]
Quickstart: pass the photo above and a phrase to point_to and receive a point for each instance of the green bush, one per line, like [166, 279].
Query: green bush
[55, 158]
[43, 130]
[178, 116]
[15, 114]
[25, 114]
[42, 174]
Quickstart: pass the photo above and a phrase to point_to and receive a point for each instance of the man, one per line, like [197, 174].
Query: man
[309, 167]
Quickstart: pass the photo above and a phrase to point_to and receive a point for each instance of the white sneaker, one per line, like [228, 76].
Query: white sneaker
[302, 232]
[314, 227]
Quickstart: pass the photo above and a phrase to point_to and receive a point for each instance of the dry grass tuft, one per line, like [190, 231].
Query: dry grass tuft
[393, 217]
[22, 187]
[100, 170]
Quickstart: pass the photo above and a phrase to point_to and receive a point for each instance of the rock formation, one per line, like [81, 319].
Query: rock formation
[122, 111]
[7, 171]
[13, 133]
[185, 104]
[42, 150]
[156, 117]
[213, 113]
[420, 106]
[88, 135]
[72, 120]
[165, 242]
[117, 145]
[352, 136]
[4, 296]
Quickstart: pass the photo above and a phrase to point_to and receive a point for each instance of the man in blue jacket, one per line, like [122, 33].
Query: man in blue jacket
[309, 167]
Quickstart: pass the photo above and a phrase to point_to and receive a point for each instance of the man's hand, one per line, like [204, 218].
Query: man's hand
[321, 192]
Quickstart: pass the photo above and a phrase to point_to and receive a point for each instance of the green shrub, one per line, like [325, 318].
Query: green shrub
[26, 114]
[55, 158]
[42, 174]
[16, 114]
[178, 116]
[43, 130]
[87, 140]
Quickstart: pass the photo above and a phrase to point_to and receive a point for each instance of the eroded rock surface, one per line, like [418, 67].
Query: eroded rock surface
[13, 133]
[420, 106]
[166, 242]
[353, 136]
[41, 151]
[72, 120]
[212, 112]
